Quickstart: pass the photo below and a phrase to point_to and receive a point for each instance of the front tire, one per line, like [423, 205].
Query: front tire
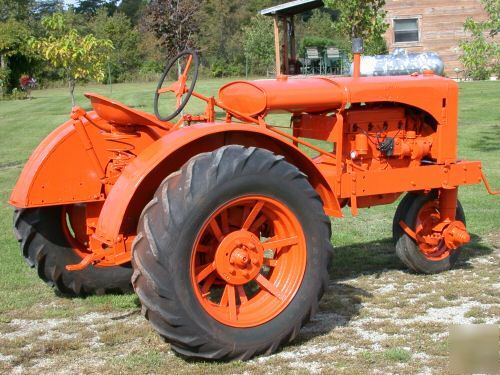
[200, 269]
[411, 210]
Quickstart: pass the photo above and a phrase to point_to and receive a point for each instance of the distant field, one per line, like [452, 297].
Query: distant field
[376, 315]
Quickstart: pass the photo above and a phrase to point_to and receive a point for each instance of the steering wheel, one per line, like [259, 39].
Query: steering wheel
[179, 88]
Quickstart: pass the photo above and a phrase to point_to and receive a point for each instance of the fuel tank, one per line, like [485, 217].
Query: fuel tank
[311, 95]
[401, 62]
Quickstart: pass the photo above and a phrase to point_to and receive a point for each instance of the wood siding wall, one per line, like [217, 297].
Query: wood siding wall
[440, 23]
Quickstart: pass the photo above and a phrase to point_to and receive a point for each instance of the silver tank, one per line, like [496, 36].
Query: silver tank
[401, 62]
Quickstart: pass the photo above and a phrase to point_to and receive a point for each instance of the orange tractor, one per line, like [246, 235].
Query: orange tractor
[221, 225]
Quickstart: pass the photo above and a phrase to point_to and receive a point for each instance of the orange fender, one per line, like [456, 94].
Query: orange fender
[140, 179]
[57, 172]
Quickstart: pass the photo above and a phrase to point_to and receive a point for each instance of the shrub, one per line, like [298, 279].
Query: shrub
[481, 52]
[220, 68]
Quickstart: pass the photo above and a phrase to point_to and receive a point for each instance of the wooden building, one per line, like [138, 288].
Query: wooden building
[431, 25]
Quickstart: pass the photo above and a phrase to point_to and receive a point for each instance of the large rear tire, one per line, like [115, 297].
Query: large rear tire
[411, 207]
[45, 247]
[192, 234]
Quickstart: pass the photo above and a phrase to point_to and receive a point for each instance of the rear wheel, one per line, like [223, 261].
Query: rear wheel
[231, 254]
[47, 245]
[421, 213]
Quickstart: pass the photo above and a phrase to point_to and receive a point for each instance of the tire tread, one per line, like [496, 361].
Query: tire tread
[183, 337]
[40, 253]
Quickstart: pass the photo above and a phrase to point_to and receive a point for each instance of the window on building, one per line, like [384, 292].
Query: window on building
[406, 30]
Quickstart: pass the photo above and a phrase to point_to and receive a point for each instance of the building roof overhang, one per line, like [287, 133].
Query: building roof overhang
[292, 8]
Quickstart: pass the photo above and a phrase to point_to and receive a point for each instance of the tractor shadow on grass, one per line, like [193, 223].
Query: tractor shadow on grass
[378, 257]
[342, 302]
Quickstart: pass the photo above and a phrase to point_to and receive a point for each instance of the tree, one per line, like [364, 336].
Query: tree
[320, 24]
[174, 22]
[17, 9]
[481, 52]
[81, 57]
[90, 7]
[13, 35]
[217, 17]
[46, 7]
[222, 34]
[361, 19]
[132, 9]
[126, 56]
[13, 44]
[258, 42]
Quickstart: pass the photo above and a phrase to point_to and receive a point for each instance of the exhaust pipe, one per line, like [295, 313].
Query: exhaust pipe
[357, 50]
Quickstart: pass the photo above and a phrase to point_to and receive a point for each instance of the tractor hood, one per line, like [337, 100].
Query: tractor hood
[324, 94]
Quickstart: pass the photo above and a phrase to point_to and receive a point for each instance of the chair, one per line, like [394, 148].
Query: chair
[313, 60]
[333, 61]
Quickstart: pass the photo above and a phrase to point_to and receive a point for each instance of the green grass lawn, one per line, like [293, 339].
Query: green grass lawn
[364, 263]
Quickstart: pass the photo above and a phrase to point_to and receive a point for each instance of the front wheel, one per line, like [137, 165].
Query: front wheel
[231, 255]
[421, 212]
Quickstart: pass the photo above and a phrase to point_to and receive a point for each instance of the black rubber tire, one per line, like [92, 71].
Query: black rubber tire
[44, 247]
[167, 230]
[406, 248]
[399, 215]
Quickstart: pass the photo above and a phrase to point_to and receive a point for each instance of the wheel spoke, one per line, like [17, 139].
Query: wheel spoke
[205, 272]
[257, 223]
[270, 262]
[225, 222]
[268, 286]
[244, 214]
[252, 215]
[242, 294]
[277, 243]
[231, 296]
[214, 226]
[203, 249]
[224, 299]
[205, 289]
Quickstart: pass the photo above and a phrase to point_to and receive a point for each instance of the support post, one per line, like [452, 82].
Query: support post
[277, 45]
[448, 204]
[284, 19]
[293, 52]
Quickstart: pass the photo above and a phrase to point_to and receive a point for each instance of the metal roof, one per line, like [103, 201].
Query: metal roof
[292, 7]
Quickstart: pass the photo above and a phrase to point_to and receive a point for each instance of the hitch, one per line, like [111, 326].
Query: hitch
[487, 185]
[87, 261]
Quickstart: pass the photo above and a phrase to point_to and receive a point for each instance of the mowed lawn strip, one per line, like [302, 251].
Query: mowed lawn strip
[376, 315]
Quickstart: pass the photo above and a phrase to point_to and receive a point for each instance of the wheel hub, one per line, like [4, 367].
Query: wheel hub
[239, 257]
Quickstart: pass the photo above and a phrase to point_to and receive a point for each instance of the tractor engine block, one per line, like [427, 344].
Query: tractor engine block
[386, 137]
[373, 137]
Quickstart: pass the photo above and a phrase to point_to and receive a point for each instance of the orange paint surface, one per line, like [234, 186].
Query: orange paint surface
[384, 136]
